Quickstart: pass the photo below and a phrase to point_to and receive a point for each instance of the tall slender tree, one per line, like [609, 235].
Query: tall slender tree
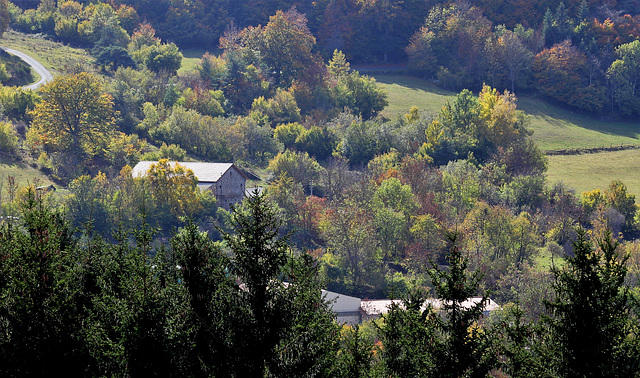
[590, 317]
[283, 328]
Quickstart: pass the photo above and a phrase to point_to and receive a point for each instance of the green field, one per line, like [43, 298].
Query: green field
[191, 57]
[405, 91]
[591, 171]
[554, 127]
[55, 56]
[22, 172]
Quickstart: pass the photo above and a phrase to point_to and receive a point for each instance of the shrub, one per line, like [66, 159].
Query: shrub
[8, 138]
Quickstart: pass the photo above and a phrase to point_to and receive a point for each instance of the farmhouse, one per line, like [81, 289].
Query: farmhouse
[225, 180]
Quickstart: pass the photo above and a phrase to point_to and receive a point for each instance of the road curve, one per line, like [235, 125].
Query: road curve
[45, 75]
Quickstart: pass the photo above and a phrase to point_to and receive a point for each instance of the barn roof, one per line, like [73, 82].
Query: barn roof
[205, 172]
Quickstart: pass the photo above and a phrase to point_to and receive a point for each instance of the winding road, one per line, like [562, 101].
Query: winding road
[45, 75]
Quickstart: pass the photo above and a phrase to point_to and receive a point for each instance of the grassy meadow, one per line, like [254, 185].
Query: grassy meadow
[191, 57]
[555, 128]
[405, 91]
[590, 171]
[54, 56]
[23, 173]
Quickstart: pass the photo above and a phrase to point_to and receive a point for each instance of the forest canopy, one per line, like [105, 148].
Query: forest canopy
[154, 274]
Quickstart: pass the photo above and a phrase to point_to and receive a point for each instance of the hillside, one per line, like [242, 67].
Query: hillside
[555, 127]
[23, 173]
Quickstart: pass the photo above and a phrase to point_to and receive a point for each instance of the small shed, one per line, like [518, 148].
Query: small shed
[225, 180]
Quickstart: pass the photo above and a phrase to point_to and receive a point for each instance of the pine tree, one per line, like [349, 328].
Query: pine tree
[39, 312]
[590, 318]
[283, 326]
[418, 341]
[463, 348]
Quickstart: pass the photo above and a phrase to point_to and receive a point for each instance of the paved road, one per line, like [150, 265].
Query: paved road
[45, 75]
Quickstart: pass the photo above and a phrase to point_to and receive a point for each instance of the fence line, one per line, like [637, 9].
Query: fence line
[593, 150]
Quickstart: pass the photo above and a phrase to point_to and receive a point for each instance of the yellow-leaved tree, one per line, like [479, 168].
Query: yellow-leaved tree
[74, 116]
[176, 186]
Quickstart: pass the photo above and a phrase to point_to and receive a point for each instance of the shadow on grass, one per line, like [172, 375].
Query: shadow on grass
[551, 114]
[11, 161]
[561, 117]
[414, 83]
[196, 53]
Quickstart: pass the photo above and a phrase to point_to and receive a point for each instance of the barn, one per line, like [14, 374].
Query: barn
[225, 180]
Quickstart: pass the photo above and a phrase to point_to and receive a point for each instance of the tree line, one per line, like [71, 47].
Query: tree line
[372, 200]
[580, 57]
[578, 53]
[250, 306]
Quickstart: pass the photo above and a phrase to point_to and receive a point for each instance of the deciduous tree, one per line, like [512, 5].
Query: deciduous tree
[75, 115]
[285, 45]
[562, 72]
[624, 74]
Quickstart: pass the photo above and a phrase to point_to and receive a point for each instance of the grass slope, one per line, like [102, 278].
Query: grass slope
[21, 171]
[191, 57]
[591, 171]
[555, 128]
[405, 91]
[54, 56]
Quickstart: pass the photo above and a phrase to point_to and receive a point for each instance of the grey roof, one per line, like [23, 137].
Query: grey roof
[205, 172]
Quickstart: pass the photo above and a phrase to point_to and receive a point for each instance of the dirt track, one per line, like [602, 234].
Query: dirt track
[45, 75]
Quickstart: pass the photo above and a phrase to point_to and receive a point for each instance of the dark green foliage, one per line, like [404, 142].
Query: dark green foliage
[524, 192]
[209, 288]
[125, 309]
[408, 334]
[318, 142]
[162, 57]
[113, 56]
[590, 318]
[556, 26]
[520, 353]
[443, 342]
[39, 308]
[360, 94]
[356, 356]
[284, 329]
[463, 348]
[364, 140]
[133, 324]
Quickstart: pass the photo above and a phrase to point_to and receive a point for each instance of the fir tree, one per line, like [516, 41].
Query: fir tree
[590, 318]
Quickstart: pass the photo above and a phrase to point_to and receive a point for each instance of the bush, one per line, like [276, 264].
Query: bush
[8, 138]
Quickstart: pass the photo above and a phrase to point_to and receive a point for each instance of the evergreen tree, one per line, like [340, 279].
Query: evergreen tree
[590, 318]
[462, 349]
[281, 328]
[418, 341]
[39, 308]
[407, 334]
[202, 266]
